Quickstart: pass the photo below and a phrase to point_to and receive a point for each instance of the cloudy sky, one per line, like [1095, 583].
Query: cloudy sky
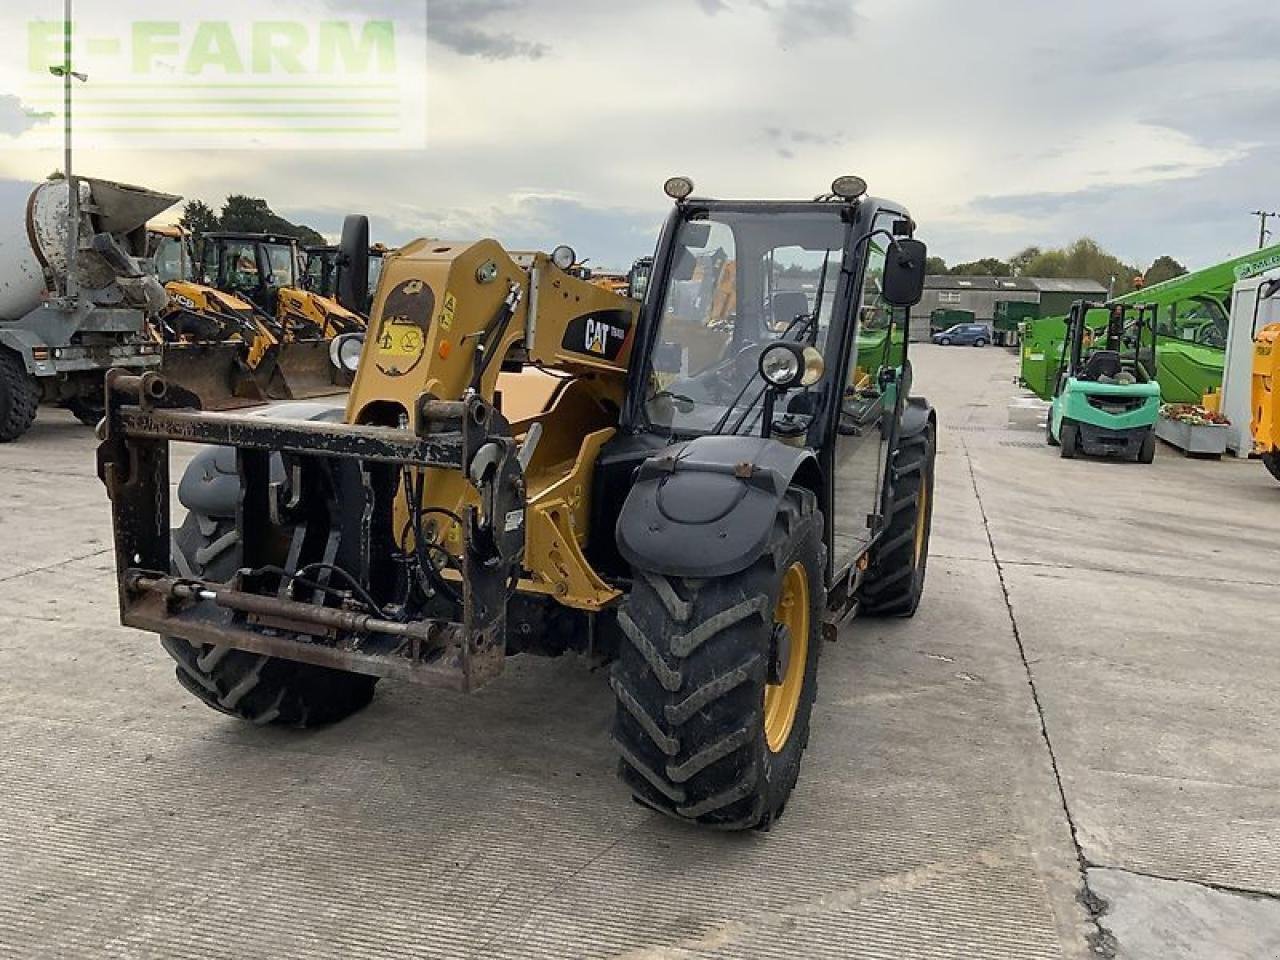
[1152, 126]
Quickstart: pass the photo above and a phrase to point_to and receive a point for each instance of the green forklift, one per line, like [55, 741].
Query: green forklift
[1107, 400]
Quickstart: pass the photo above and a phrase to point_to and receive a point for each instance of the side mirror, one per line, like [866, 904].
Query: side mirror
[353, 263]
[904, 272]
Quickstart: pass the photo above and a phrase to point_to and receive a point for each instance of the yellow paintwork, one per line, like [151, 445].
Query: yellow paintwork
[922, 520]
[198, 298]
[408, 353]
[782, 700]
[326, 313]
[1266, 398]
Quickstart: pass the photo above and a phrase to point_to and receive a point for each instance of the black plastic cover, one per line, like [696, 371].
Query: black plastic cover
[706, 507]
[210, 485]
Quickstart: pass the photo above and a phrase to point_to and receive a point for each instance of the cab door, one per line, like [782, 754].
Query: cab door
[867, 404]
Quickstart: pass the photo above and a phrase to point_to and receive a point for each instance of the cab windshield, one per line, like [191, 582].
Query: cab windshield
[169, 260]
[280, 260]
[739, 281]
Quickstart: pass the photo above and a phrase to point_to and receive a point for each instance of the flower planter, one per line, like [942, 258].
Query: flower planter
[1208, 439]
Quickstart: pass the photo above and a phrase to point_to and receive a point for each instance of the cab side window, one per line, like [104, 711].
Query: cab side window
[874, 316]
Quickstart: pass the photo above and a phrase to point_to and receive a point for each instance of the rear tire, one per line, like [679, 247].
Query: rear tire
[1271, 461]
[1147, 452]
[1069, 438]
[702, 734]
[979, 342]
[19, 397]
[253, 686]
[894, 581]
[1049, 438]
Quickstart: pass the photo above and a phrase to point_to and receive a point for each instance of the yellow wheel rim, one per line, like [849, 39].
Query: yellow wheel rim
[782, 700]
[922, 518]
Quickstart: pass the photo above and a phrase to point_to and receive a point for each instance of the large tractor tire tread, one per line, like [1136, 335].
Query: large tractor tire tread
[251, 686]
[690, 683]
[894, 581]
[19, 397]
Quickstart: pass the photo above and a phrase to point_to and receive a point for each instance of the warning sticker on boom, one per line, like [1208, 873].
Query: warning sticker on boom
[402, 334]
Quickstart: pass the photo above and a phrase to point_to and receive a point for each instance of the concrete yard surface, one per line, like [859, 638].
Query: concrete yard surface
[1069, 752]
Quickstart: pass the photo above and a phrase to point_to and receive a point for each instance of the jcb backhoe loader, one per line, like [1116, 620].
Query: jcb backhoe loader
[529, 463]
[265, 271]
[233, 334]
[216, 345]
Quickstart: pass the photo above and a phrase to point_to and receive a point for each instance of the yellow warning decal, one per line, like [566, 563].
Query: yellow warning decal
[401, 340]
[447, 312]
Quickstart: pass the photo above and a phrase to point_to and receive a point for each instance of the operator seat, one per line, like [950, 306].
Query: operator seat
[1101, 363]
[788, 305]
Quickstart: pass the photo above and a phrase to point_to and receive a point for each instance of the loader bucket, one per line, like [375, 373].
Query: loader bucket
[214, 372]
[303, 370]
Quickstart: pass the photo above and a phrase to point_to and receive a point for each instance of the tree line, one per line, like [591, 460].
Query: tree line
[244, 215]
[1083, 258]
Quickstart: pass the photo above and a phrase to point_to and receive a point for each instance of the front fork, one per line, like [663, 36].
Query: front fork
[336, 509]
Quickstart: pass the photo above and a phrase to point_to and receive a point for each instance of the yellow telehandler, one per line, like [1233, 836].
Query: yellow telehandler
[1266, 396]
[529, 463]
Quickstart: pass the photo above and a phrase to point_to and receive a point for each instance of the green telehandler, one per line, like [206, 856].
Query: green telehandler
[1193, 317]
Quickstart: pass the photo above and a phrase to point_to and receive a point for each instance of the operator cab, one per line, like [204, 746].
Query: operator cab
[784, 321]
[255, 266]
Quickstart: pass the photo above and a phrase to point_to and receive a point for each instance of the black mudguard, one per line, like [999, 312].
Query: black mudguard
[706, 507]
[917, 415]
[210, 485]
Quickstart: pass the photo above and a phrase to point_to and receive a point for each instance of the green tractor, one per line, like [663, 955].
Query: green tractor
[1107, 400]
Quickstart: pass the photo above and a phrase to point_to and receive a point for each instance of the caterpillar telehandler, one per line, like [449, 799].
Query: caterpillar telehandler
[1107, 398]
[529, 463]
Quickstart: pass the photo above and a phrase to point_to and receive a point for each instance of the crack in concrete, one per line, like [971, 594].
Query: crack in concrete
[54, 566]
[1250, 893]
[49, 473]
[1090, 568]
[1102, 941]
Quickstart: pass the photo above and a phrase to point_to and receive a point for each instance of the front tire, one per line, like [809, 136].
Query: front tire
[19, 397]
[713, 698]
[1049, 438]
[1070, 440]
[945, 341]
[252, 686]
[894, 582]
[1147, 452]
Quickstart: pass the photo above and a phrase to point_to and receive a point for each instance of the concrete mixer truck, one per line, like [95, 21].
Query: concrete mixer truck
[63, 325]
